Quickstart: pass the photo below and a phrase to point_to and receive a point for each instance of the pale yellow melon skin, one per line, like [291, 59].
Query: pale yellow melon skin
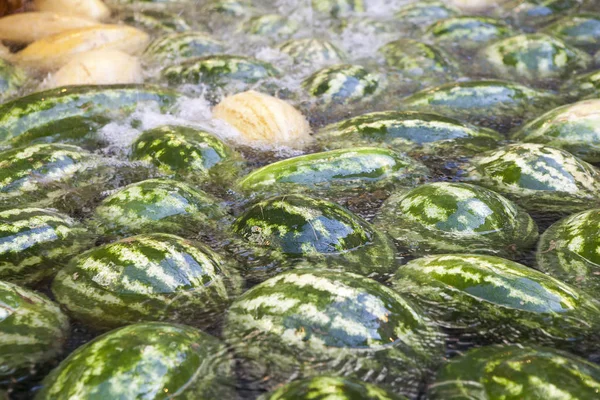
[477, 5]
[31, 26]
[97, 67]
[91, 9]
[52, 52]
[264, 120]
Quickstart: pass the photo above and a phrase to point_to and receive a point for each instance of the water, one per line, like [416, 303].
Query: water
[358, 41]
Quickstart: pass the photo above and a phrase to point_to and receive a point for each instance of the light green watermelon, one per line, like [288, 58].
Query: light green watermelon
[343, 84]
[468, 33]
[174, 47]
[584, 86]
[533, 13]
[580, 30]
[414, 59]
[155, 277]
[147, 360]
[312, 51]
[446, 217]
[337, 7]
[305, 323]
[423, 13]
[272, 26]
[12, 79]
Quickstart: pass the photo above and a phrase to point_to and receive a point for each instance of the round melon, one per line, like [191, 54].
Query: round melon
[584, 86]
[534, 13]
[312, 51]
[423, 13]
[494, 300]
[156, 277]
[343, 84]
[449, 217]
[580, 30]
[176, 47]
[158, 21]
[305, 323]
[517, 373]
[272, 26]
[337, 7]
[147, 360]
[539, 178]
[415, 58]
[468, 33]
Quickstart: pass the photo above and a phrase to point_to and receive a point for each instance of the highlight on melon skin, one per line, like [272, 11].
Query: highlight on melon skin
[91, 9]
[31, 26]
[264, 120]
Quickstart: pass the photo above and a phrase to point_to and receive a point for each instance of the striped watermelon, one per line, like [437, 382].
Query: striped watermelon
[581, 30]
[497, 300]
[343, 84]
[539, 13]
[272, 26]
[330, 387]
[293, 227]
[539, 178]
[158, 21]
[335, 172]
[147, 360]
[423, 13]
[188, 153]
[574, 127]
[312, 51]
[586, 86]
[305, 322]
[228, 8]
[449, 217]
[409, 131]
[569, 250]
[11, 79]
[415, 58]
[517, 373]
[336, 8]
[499, 105]
[534, 58]
[175, 47]
[468, 33]
[155, 277]
[158, 205]
[32, 330]
[37, 242]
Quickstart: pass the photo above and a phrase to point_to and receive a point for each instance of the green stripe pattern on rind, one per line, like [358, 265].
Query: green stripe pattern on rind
[541, 179]
[415, 58]
[581, 30]
[343, 84]
[158, 205]
[272, 26]
[330, 388]
[338, 7]
[585, 86]
[156, 277]
[570, 250]
[32, 330]
[574, 127]
[449, 217]
[34, 243]
[158, 21]
[467, 32]
[494, 104]
[191, 153]
[499, 300]
[181, 46]
[517, 373]
[45, 111]
[336, 171]
[295, 227]
[12, 79]
[307, 322]
[229, 8]
[312, 51]
[409, 130]
[424, 13]
[148, 360]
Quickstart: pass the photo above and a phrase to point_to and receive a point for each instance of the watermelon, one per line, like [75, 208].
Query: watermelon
[533, 58]
[312, 51]
[228, 8]
[415, 58]
[495, 300]
[33, 330]
[499, 105]
[468, 33]
[517, 373]
[219, 70]
[155, 20]
[158, 205]
[37, 242]
[272, 26]
[175, 47]
[146, 360]
[295, 227]
[11, 79]
[539, 12]
[72, 111]
[574, 127]
[409, 131]
[343, 84]
[446, 217]
[330, 387]
[304, 323]
[423, 13]
[337, 7]
[155, 277]
[334, 172]
[539, 178]
[568, 250]
[585, 86]
[580, 30]
[186, 152]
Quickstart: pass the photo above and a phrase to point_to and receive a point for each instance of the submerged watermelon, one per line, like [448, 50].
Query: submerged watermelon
[293, 228]
[424, 13]
[175, 47]
[312, 51]
[448, 217]
[343, 84]
[517, 373]
[37, 242]
[468, 33]
[337, 7]
[33, 330]
[330, 387]
[272, 26]
[156, 277]
[11, 79]
[581, 30]
[586, 86]
[155, 20]
[305, 322]
[497, 300]
[539, 178]
[148, 360]
[414, 58]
